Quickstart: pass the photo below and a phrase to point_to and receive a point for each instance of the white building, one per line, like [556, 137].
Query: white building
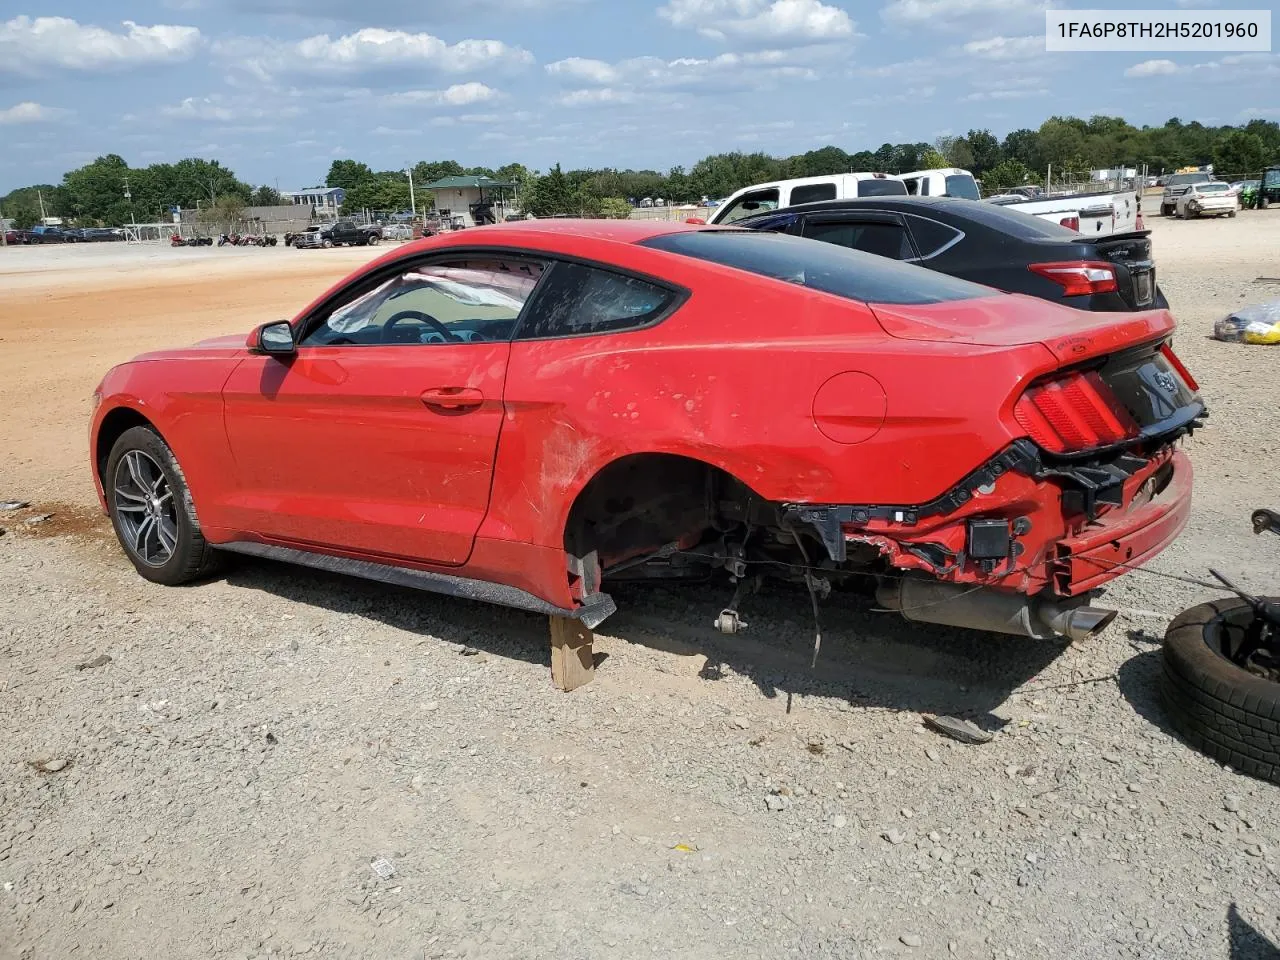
[323, 201]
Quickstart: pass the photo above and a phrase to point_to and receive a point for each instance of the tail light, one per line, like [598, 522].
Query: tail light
[1167, 352]
[1079, 277]
[1075, 413]
[1071, 223]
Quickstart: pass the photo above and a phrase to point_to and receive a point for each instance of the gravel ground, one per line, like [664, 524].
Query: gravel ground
[219, 787]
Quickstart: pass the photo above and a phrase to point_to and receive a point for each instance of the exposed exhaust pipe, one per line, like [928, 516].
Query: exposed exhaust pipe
[924, 600]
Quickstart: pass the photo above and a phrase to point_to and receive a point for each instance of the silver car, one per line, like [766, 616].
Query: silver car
[314, 237]
[1176, 186]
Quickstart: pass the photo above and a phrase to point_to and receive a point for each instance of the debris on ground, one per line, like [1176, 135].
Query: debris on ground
[101, 660]
[38, 518]
[383, 868]
[966, 731]
[1258, 324]
[14, 504]
[51, 766]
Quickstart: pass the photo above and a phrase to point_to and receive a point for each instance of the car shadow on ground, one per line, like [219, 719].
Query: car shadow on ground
[1246, 942]
[1139, 682]
[868, 659]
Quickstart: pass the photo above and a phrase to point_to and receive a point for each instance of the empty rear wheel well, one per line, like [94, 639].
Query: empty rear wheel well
[114, 424]
[642, 502]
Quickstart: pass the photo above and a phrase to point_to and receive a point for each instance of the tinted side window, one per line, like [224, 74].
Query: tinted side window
[930, 235]
[819, 266]
[812, 193]
[882, 239]
[578, 300]
[882, 188]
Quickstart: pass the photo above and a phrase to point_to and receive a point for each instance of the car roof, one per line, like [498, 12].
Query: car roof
[956, 211]
[618, 231]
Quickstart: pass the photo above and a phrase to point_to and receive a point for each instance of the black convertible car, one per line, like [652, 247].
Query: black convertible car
[987, 244]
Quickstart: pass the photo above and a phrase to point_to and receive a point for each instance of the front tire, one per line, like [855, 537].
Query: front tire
[1222, 710]
[373, 241]
[1165, 210]
[152, 512]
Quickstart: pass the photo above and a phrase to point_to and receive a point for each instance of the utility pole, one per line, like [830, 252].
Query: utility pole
[40, 197]
[4, 234]
[129, 196]
[413, 204]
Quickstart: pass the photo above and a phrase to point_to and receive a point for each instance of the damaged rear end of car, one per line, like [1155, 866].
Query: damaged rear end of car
[977, 461]
[1092, 485]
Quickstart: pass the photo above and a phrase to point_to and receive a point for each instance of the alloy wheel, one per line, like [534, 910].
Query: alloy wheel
[145, 510]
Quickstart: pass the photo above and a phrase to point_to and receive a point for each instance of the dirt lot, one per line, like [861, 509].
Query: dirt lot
[254, 742]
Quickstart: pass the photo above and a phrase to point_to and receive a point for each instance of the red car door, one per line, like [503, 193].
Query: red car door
[379, 435]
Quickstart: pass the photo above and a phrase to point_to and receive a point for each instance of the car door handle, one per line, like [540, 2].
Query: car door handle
[452, 398]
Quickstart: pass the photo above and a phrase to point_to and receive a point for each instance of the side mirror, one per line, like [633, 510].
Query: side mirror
[275, 339]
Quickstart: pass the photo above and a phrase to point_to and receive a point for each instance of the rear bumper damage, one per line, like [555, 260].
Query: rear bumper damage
[1024, 524]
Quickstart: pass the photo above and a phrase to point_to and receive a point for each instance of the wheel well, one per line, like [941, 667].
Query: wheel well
[640, 503]
[113, 425]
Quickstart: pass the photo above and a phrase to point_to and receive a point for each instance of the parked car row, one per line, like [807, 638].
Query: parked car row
[44, 234]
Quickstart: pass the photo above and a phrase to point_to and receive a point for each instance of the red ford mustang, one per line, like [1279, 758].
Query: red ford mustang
[526, 412]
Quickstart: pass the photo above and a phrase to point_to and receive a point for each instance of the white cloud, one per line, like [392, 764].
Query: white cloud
[31, 46]
[640, 77]
[1152, 68]
[28, 112]
[1257, 113]
[590, 71]
[774, 21]
[218, 109]
[369, 49]
[951, 14]
[458, 95]
[1006, 94]
[1006, 48]
[595, 97]
[396, 11]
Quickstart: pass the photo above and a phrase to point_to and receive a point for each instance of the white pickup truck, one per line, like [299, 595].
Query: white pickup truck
[1091, 214]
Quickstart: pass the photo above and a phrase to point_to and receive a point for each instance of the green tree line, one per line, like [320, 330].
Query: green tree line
[96, 192]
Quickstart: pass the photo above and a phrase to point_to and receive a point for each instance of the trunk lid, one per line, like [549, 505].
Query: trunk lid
[1136, 273]
[1014, 320]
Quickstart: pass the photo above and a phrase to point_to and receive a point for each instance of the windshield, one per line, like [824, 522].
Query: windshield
[757, 201]
[1180, 179]
[1213, 188]
[820, 266]
[1271, 178]
[962, 185]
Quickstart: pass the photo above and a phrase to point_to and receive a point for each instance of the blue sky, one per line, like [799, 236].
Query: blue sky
[277, 89]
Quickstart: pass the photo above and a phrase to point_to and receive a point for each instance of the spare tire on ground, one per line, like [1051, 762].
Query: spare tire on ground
[1223, 710]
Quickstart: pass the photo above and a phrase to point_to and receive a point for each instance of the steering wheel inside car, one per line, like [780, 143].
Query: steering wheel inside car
[421, 317]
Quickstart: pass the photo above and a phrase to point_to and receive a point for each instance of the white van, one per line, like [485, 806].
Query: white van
[763, 197]
[942, 182]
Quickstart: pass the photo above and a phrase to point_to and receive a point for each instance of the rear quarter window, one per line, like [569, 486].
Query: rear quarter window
[820, 266]
[580, 300]
[931, 236]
